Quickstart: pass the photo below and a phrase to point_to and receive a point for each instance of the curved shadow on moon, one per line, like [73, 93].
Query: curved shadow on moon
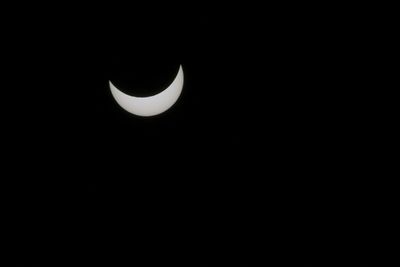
[152, 105]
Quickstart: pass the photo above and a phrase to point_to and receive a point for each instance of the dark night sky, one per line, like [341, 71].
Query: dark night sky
[252, 145]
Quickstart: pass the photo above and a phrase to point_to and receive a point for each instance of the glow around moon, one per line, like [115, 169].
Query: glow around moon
[152, 105]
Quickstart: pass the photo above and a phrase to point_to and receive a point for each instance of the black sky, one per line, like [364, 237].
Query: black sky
[251, 152]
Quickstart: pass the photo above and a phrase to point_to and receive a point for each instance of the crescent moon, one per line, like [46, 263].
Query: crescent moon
[152, 105]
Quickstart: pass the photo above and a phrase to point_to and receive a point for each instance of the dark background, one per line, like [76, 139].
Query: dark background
[257, 157]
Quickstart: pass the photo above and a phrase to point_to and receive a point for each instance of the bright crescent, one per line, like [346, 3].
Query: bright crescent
[152, 105]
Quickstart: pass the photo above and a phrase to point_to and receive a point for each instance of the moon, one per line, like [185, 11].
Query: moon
[152, 105]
